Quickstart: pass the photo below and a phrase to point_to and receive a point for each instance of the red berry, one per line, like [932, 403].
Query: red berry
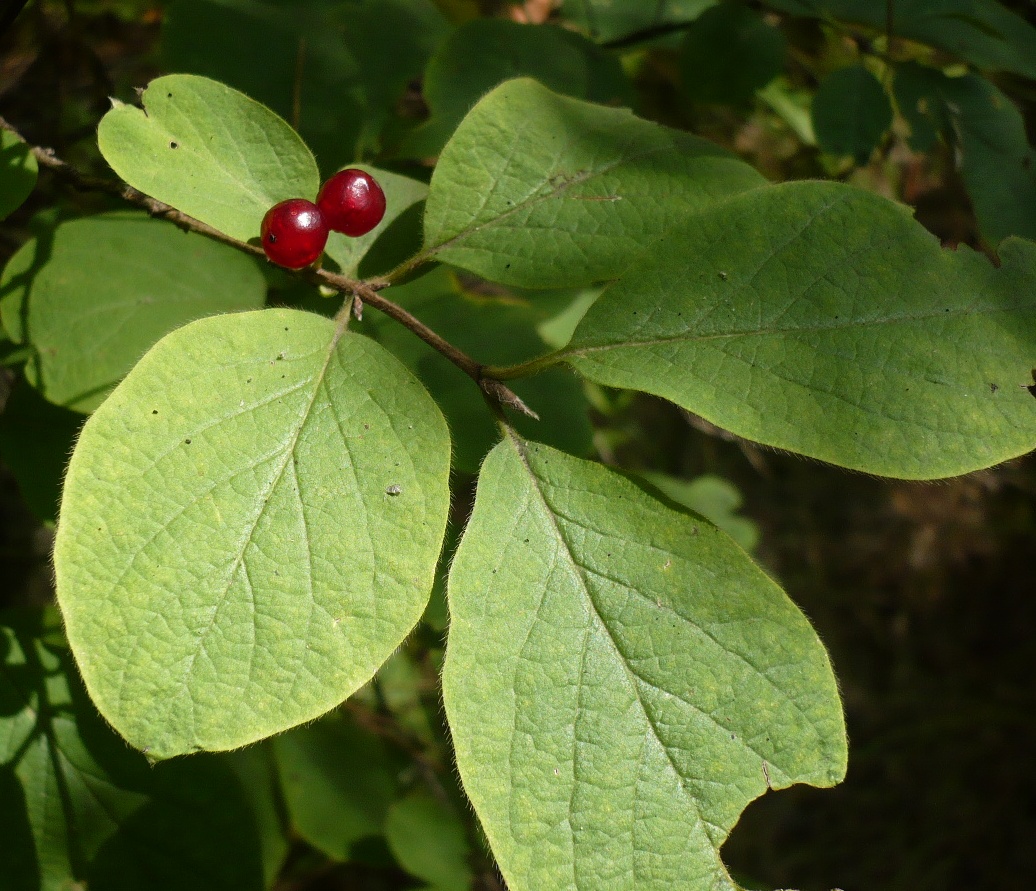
[352, 202]
[294, 233]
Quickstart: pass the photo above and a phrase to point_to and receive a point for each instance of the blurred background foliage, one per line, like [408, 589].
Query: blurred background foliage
[924, 593]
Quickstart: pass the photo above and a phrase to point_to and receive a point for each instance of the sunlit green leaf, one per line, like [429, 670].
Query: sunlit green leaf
[258, 508]
[208, 151]
[621, 680]
[832, 325]
[540, 190]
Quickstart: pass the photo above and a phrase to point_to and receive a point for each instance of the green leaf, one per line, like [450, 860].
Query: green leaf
[258, 508]
[208, 151]
[94, 294]
[714, 498]
[997, 163]
[338, 782]
[339, 67]
[918, 93]
[401, 193]
[851, 113]
[427, 837]
[607, 20]
[36, 439]
[730, 51]
[540, 190]
[832, 325]
[621, 680]
[18, 172]
[78, 805]
[494, 331]
[485, 52]
[983, 32]
[256, 772]
[197, 831]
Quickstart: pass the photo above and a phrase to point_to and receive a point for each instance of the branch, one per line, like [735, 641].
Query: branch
[364, 292]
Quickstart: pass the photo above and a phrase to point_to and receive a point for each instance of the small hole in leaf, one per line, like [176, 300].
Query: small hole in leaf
[174, 145]
[169, 95]
[187, 441]
[154, 411]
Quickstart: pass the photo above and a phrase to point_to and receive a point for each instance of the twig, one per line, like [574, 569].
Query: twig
[365, 292]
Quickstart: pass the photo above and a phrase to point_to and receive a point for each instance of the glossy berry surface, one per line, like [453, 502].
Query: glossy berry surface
[352, 202]
[294, 233]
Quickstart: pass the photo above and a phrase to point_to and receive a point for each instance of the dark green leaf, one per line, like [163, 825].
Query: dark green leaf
[17, 173]
[485, 52]
[729, 52]
[92, 296]
[339, 67]
[36, 440]
[338, 781]
[80, 806]
[606, 20]
[983, 32]
[427, 838]
[997, 163]
[851, 113]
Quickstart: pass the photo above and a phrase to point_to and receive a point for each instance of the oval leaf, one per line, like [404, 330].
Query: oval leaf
[250, 526]
[851, 113]
[621, 680]
[730, 51]
[832, 325]
[209, 151]
[338, 781]
[427, 837]
[95, 294]
[541, 190]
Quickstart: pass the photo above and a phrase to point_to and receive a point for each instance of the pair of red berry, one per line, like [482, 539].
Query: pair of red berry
[295, 231]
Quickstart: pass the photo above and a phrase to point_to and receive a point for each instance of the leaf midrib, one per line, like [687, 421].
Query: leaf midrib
[182, 684]
[631, 676]
[689, 337]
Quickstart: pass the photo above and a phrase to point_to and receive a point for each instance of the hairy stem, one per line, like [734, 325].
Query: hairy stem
[363, 292]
